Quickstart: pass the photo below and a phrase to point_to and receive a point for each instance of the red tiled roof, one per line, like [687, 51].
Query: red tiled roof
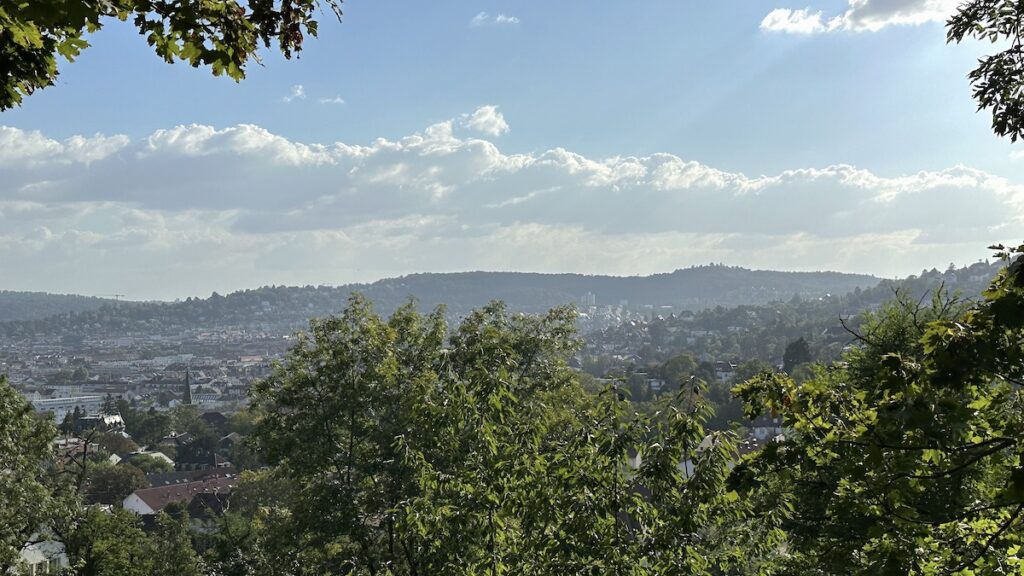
[159, 497]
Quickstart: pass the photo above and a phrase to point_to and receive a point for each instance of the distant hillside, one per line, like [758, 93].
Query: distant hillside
[763, 331]
[37, 305]
[692, 288]
[289, 308]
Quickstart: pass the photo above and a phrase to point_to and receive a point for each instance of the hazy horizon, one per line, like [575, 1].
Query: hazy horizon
[174, 297]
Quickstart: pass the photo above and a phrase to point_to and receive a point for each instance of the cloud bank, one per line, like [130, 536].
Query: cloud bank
[860, 16]
[196, 208]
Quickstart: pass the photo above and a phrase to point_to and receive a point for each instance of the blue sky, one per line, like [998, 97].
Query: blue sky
[549, 136]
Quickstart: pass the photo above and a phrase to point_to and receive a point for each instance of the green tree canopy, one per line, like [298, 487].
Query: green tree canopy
[146, 428]
[26, 501]
[797, 352]
[409, 450]
[110, 484]
[222, 34]
[906, 457]
[112, 543]
[998, 80]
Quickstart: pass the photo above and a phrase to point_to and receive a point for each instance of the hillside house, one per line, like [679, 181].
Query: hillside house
[148, 501]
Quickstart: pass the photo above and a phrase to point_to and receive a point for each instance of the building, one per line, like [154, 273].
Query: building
[43, 557]
[588, 299]
[767, 427]
[101, 422]
[61, 407]
[153, 500]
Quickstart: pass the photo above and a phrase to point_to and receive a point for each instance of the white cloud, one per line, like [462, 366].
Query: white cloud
[240, 206]
[873, 15]
[244, 140]
[793, 21]
[480, 19]
[18, 147]
[486, 120]
[485, 19]
[297, 92]
[331, 100]
[860, 16]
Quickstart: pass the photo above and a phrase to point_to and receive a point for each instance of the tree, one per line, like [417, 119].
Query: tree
[109, 405]
[727, 409]
[186, 418]
[110, 484]
[678, 369]
[146, 428]
[222, 34]
[115, 443]
[112, 543]
[200, 447]
[998, 80]
[70, 422]
[80, 374]
[149, 464]
[906, 457]
[255, 536]
[479, 453]
[26, 502]
[102, 543]
[171, 548]
[241, 422]
[797, 352]
[345, 384]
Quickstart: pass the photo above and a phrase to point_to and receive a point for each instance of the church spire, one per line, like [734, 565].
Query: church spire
[187, 396]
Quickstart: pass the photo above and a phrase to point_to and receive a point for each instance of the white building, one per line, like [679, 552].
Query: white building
[61, 407]
[767, 427]
[46, 557]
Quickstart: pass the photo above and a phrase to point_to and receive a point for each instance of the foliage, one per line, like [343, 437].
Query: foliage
[409, 452]
[222, 34]
[171, 550]
[110, 484]
[256, 536]
[187, 418]
[112, 543]
[345, 385]
[797, 352]
[998, 80]
[115, 443]
[906, 458]
[146, 428]
[149, 464]
[39, 305]
[26, 501]
[402, 446]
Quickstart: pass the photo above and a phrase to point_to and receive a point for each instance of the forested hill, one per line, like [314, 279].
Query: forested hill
[692, 288]
[290, 307]
[38, 305]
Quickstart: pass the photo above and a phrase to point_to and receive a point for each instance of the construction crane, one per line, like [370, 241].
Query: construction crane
[116, 297]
